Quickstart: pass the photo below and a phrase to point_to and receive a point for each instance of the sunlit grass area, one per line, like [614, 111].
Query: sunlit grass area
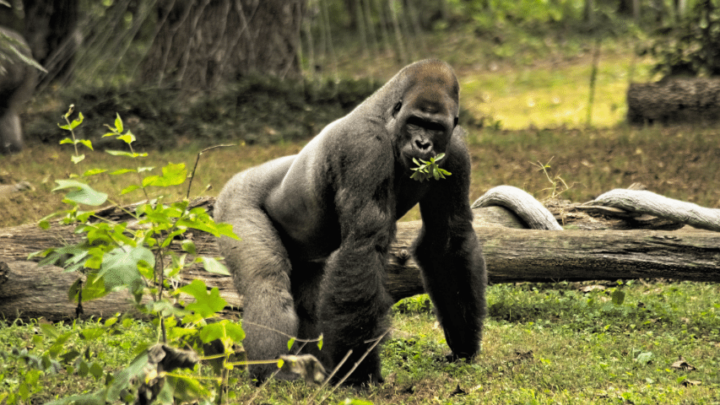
[525, 81]
[555, 94]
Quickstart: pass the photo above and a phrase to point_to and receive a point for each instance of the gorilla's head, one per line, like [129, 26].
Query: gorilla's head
[425, 114]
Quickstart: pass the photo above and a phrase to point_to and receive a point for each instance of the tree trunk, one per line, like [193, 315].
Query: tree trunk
[17, 83]
[204, 42]
[351, 11]
[512, 254]
[680, 7]
[381, 7]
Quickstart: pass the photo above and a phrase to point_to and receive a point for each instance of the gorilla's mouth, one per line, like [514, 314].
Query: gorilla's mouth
[409, 157]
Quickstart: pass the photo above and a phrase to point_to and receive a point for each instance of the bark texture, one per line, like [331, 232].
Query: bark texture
[28, 291]
[674, 100]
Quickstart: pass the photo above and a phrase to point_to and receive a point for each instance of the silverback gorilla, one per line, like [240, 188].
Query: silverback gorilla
[316, 228]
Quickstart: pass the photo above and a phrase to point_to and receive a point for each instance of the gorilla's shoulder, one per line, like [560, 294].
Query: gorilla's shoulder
[261, 179]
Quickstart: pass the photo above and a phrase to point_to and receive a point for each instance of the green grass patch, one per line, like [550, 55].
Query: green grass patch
[24, 343]
[544, 343]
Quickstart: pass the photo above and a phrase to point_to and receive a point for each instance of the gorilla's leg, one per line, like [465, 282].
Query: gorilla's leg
[261, 271]
[268, 320]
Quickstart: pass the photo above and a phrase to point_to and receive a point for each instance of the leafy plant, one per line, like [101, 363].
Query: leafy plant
[429, 170]
[691, 46]
[116, 255]
[137, 255]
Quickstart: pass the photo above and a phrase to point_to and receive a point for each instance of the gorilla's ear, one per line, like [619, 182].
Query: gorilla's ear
[397, 108]
[456, 122]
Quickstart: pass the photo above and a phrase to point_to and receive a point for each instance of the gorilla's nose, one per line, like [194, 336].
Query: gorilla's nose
[423, 145]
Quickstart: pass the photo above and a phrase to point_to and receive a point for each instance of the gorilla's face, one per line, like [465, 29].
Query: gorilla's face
[425, 117]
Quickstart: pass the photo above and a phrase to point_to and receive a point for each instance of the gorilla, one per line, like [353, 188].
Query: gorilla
[17, 82]
[316, 228]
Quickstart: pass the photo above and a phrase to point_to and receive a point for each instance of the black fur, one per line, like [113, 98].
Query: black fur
[316, 228]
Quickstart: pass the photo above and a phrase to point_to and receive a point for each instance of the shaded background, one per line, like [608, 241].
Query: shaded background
[543, 83]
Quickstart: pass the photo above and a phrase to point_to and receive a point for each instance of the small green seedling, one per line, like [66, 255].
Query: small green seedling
[428, 170]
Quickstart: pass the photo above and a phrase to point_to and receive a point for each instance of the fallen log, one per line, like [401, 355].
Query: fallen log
[512, 254]
[27, 291]
[674, 101]
[575, 255]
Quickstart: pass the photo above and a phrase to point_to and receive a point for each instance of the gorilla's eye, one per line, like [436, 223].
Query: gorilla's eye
[397, 107]
[456, 121]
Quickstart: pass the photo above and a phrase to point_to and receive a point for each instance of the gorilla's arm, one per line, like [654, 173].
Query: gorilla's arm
[450, 257]
[353, 299]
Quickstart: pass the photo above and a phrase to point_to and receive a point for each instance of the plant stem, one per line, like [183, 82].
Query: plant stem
[147, 197]
[197, 159]
[160, 292]
[72, 132]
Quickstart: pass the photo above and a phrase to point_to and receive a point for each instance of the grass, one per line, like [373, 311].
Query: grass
[544, 343]
[680, 163]
[553, 95]
[112, 352]
[42, 164]
[526, 81]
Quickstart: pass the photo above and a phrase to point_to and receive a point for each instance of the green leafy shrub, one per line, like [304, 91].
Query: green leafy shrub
[690, 47]
[112, 256]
